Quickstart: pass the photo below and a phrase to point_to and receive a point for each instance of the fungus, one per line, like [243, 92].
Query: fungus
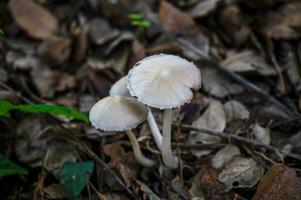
[118, 113]
[165, 82]
[120, 89]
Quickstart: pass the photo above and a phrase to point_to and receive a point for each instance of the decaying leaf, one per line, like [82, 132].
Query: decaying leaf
[235, 110]
[56, 49]
[101, 32]
[213, 119]
[203, 8]
[3, 75]
[280, 182]
[45, 81]
[283, 23]
[124, 162]
[29, 148]
[248, 61]
[212, 188]
[261, 134]
[223, 156]
[57, 154]
[240, 173]
[217, 84]
[234, 24]
[174, 19]
[34, 19]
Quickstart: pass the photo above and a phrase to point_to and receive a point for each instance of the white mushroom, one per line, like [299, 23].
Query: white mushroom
[164, 82]
[120, 89]
[118, 113]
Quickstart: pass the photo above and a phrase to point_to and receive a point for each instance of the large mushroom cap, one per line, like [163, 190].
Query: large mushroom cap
[164, 81]
[120, 88]
[117, 113]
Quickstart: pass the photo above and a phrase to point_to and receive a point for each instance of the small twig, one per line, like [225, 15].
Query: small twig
[242, 140]
[196, 146]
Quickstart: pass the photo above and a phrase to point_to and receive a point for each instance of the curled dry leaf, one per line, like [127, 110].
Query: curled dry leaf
[223, 156]
[283, 23]
[240, 173]
[64, 81]
[280, 182]
[235, 110]
[261, 134]
[248, 62]
[38, 22]
[213, 119]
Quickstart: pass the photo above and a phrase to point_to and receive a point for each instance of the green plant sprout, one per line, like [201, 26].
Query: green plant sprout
[138, 21]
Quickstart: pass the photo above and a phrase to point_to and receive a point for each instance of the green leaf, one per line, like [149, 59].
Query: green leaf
[135, 16]
[6, 107]
[144, 23]
[7, 167]
[75, 176]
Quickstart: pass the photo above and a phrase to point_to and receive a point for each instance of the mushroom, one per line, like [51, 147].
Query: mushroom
[120, 89]
[118, 113]
[164, 81]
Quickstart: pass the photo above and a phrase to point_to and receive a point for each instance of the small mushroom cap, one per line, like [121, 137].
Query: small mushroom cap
[120, 88]
[164, 81]
[117, 113]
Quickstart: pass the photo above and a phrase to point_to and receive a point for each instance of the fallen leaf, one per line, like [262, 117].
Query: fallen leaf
[235, 110]
[282, 23]
[233, 23]
[212, 188]
[75, 176]
[174, 19]
[203, 8]
[3, 75]
[101, 32]
[33, 18]
[280, 182]
[44, 79]
[8, 167]
[56, 49]
[224, 155]
[213, 119]
[261, 134]
[217, 84]
[65, 81]
[248, 62]
[241, 173]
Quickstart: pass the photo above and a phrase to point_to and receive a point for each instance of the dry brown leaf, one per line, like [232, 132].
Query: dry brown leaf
[174, 19]
[38, 22]
[212, 188]
[284, 23]
[56, 49]
[280, 182]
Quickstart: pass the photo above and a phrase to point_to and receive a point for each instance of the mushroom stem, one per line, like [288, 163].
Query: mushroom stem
[168, 159]
[154, 129]
[137, 152]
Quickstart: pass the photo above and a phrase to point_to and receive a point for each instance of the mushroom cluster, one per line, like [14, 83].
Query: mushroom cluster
[160, 81]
